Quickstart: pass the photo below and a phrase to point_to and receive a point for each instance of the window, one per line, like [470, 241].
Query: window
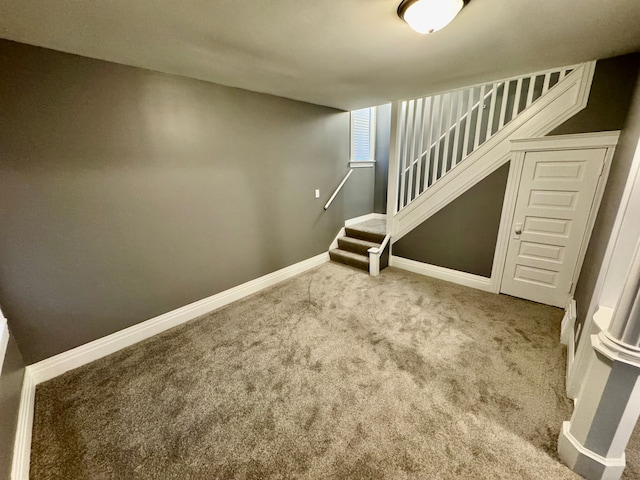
[363, 133]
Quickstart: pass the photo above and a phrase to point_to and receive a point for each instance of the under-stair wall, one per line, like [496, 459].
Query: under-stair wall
[463, 235]
[444, 239]
[609, 99]
[420, 188]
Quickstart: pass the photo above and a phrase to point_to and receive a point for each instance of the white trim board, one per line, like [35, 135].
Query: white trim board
[22, 444]
[340, 234]
[76, 357]
[4, 340]
[593, 214]
[504, 227]
[364, 218]
[447, 274]
[567, 335]
[568, 322]
[362, 163]
[567, 142]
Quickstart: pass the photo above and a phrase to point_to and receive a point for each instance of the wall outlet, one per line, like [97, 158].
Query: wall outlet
[317, 193]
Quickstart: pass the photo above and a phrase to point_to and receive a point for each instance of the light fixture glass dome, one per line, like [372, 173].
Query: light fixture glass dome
[427, 16]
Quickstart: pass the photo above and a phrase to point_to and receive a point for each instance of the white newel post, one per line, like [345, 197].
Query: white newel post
[593, 442]
[374, 262]
[394, 163]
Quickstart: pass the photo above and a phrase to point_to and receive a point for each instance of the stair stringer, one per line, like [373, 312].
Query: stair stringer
[560, 103]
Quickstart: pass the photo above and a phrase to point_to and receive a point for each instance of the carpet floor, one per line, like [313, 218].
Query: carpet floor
[332, 374]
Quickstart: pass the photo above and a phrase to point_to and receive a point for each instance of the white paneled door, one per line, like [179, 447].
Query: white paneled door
[555, 197]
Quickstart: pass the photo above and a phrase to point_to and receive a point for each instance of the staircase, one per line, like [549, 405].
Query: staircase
[444, 144]
[353, 248]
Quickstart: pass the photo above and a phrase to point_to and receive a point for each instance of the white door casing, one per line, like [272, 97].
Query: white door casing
[552, 211]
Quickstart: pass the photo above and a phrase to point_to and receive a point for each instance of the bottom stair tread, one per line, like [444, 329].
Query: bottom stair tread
[350, 258]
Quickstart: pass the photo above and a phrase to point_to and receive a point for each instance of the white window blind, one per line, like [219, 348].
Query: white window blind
[362, 135]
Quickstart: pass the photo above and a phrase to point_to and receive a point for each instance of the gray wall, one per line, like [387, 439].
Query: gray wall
[358, 193]
[10, 388]
[366, 190]
[612, 87]
[383, 134]
[616, 182]
[126, 193]
[463, 235]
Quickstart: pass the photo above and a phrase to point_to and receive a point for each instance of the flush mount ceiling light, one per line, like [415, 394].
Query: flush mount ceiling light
[428, 16]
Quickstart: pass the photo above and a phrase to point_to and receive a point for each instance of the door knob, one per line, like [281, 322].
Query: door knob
[517, 230]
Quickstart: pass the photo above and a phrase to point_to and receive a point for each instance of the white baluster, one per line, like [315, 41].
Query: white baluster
[516, 102]
[405, 155]
[436, 155]
[445, 151]
[417, 110]
[476, 140]
[467, 125]
[456, 138]
[427, 161]
[532, 85]
[420, 145]
[492, 109]
[503, 107]
[545, 84]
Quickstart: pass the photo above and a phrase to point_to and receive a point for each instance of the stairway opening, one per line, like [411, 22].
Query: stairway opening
[353, 248]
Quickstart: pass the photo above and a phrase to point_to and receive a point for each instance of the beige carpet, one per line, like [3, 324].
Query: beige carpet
[333, 374]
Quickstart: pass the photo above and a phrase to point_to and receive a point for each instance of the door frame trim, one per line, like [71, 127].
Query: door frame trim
[519, 148]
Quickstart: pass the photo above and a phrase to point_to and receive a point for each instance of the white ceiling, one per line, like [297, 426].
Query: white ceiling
[341, 53]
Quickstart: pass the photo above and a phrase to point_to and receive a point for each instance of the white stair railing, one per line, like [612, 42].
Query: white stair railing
[338, 188]
[439, 132]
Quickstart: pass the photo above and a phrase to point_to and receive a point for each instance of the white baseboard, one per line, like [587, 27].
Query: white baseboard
[567, 336]
[573, 454]
[22, 444]
[453, 276]
[341, 234]
[74, 358]
[568, 322]
[364, 218]
[571, 355]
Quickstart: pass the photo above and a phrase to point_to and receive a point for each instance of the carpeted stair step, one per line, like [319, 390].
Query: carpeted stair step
[350, 258]
[356, 245]
[365, 234]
